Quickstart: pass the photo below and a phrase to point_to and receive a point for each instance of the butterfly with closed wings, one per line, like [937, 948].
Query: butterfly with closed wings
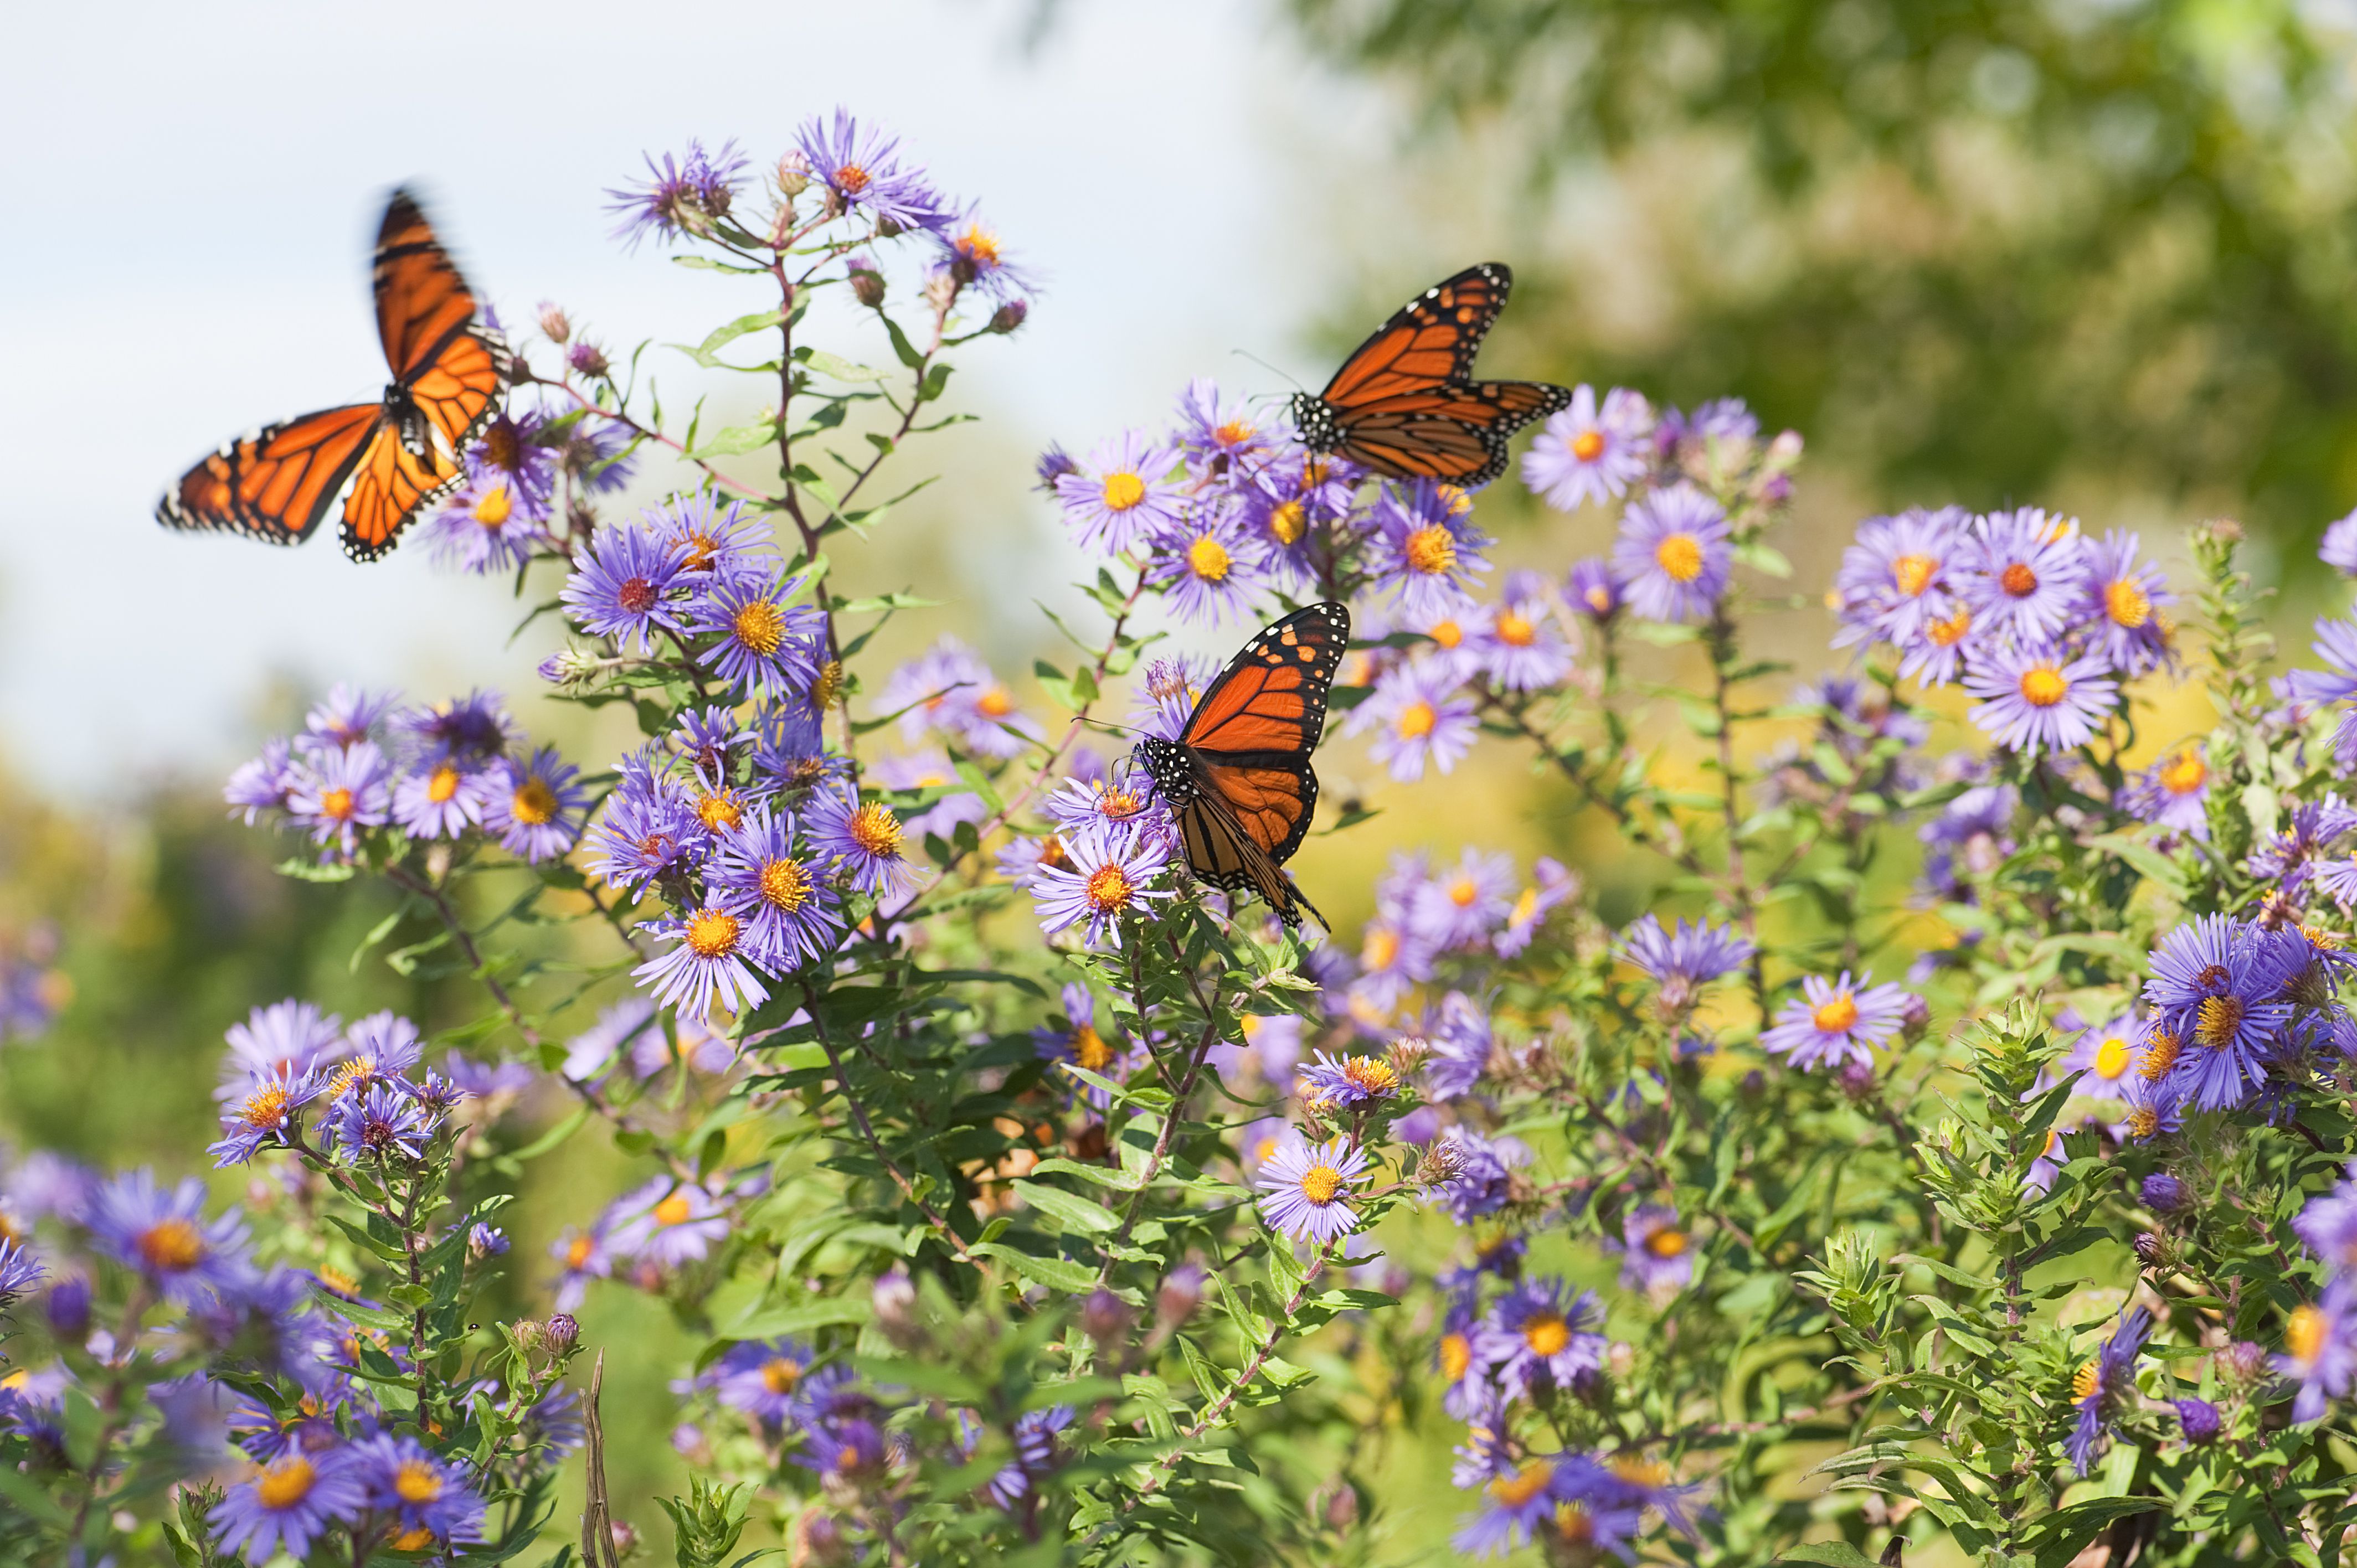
[1405, 403]
[387, 459]
[1238, 777]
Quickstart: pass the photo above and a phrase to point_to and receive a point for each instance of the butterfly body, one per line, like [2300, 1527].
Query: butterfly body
[385, 460]
[1238, 779]
[1405, 403]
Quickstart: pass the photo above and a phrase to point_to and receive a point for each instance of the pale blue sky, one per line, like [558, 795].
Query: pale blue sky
[189, 191]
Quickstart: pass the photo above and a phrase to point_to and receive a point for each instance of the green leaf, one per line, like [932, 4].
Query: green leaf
[1831, 1553]
[736, 440]
[1056, 1273]
[771, 1321]
[312, 871]
[1074, 1212]
[706, 353]
[834, 367]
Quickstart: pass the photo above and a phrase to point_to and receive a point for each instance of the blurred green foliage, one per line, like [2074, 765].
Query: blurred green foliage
[1983, 247]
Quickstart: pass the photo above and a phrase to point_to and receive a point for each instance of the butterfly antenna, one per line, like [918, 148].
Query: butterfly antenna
[1264, 364]
[1106, 723]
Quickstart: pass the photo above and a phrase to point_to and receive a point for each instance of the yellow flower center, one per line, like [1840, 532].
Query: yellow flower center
[980, 244]
[1380, 948]
[876, 830]
[534, 802]
[1234, 433]
[851, 179]
[1456, 498]
[1575, 1524]
[712, 933]
[577, 1251]
[337, 803]
[286, 1483]
[2184, 773]
[1680, 555]
[171, 1245]
[1836, 1013]
[2086, 1380]
[2143, 1122]
[1463, 891]
[2125, 603]
[416, 1540]
[1370, 1076]
[1110, 888]
[1430, 551]
[1089, 1048]
[780, 1374]
[1641, 1472]
[1446, 633]
[492, 507]
[1417, 718]
[1948, 633]
[828, 686]
[2158, 1057]
[1525, 906]
[2111, 1059]
[1516, 1490]
[726, 810]
[1208, 559]
[2304, 1335]
[994, 704]
[1123, 490]
[1515, 631]
[759, 625]
[2220, 1020]
[417, 1482]
[1546, 1333]
[2042, 686]
[1912, 573]
[443, 784]
[673, 1210]
[264, 1108]
[1288, 522]
[2019, 580]
[1456, 1355]
[784, 885]
[1321, 1183]
[1666, 1243]
[1587, 446]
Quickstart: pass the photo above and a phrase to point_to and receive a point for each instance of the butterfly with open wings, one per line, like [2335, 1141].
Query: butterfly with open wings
[386, 459]
[1238, 777]
[1405, 403]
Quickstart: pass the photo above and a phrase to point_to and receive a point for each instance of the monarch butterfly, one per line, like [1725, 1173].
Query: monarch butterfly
[1406, 403]
[1238, 777]
[388, 459]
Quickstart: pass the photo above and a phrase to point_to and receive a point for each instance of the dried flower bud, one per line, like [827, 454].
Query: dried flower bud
[895, 1295]
[1010, 315]
[589, 360]
[941, 292]
[1443, 1162]
[554, 324]
[1407, 1054]
[1914, 1017]
[2224, 529]
[562, 1334]
[866, 281]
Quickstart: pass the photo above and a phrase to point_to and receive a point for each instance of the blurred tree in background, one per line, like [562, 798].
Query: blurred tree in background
[1988, 246]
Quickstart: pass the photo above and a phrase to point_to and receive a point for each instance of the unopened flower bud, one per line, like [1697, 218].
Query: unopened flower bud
[1914, 1017]
[570, 667]
[2150, 1245]
[2163, 1193]
[2198, 1419]
[895, 1295]
[1010, 315]
[626, 1538]
[562, 1333]
[1340, 1510]
[1443, 1162]
[1053, 465]
[1407, 1054]
[1621, 1356]
[589, 360]
[530, 1333]
[1785, 450]
[1181, 1292]
[817, 1541]
[940, 291]
[554, 324]
[1105, 1317]
[866, 281]
[69, 1307]
[792, 176]
[2243, 1361]
[1856, 1080]
[2224, 529]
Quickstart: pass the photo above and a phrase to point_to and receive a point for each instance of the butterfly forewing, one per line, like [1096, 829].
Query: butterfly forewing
[421, 300]
[277, 483]
[1271, 698]
[1432, 338]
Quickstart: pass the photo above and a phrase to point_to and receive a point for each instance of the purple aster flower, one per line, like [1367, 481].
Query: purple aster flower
[972, 256]
[716, 542]
[765, 644]
[166, 1236]
[1836, 1022]
[2214, 988]
[1420, 715]
[1522, 651]
[440, 800]
[1221, 435]
[1973, 828]
[1550, 885]
[288, 1504]
[1052, 464]
[1655, 1252]
[669, 1223]
[789, 745]
[2320, 1349]
[1897, 571]
[949, 689]
[421, 1493]
[2127, 605]
[2102, 1385]
[486, 1240]
[1683, 961]
[1391, 960]
[289, 1036]
[681, 196]
[1724, 419]
[1634, 1482]
[1459, 1034]
[1112, 868]
[2105, 1057]
[1123, 494]
[1591, 454]
[1531, 1333]
[1080, 803]
[1464, 907]
[703, 741]
[2173, 793]
[861, 168]
[262, 784]
[518, 449]
[1551, 1492]
[760, 1376]
[1165, 698]
[649, 827]
[585, 1257]
[1484, 1180]
[378, 1048]
[708, 970]
[1342, 1082]
[930, 770]
[1035, 1456]
[2033, 701]
[1208, 567]
[2025, 573]
[347, 716]
[535, 807]
[2339, 549]
[621, 583]
[1593, 589]
[1672, 555]
[863, 840]
[1305, 1189]
[337, 793]
[2156, 1107]
[2287, 859]
[266, 1113]
[1074, 1038]
[792, 913]
[485, 528]
[1425, 550]
[2328, 1226]
[384, 1123]
[20, 1271]
[1948, 635]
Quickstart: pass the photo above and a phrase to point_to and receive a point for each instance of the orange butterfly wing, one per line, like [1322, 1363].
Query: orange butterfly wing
[1456, 432]
[1432, 338]
[277, 483]
[393, 483]
[1254, 730]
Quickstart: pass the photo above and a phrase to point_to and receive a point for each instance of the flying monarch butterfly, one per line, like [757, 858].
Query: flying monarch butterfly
[387, 459]
[1406, 403]
[1238, 777]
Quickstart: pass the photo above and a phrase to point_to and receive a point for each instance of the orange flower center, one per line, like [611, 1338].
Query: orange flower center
[994, 704]
[1680, 555]
[759, 625]
[784, 885]
[1287, 523]
[2042, 686]
[1430, 551]
[673, 1210]
[1912, 573]
[2127, 604]
[1948, 633]
[2304, 1335]
[1110, 888]
[1515, 631]
[2019, 580]
[1546, 1333]
[1587, 446]
[1321, 1183]
[1456, 1355]
[1089, 1048]
[337, 803]
[1836, 1013]
[1417, 718]
[443, 784]
[171, 1245]
[264, 1108]
[534, 803]
[726, 810]
[417, 1482]
[876, 830]
[284, 1484]
[851, 179]
[1666, 1243]
[1517, 1490]
[712, 933]
[778, 1374]
[2184, 773]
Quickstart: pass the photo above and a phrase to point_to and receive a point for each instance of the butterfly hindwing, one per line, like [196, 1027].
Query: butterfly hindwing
[392, 485]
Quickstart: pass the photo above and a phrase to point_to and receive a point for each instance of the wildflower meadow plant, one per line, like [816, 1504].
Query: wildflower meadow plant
[1954, 1156]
